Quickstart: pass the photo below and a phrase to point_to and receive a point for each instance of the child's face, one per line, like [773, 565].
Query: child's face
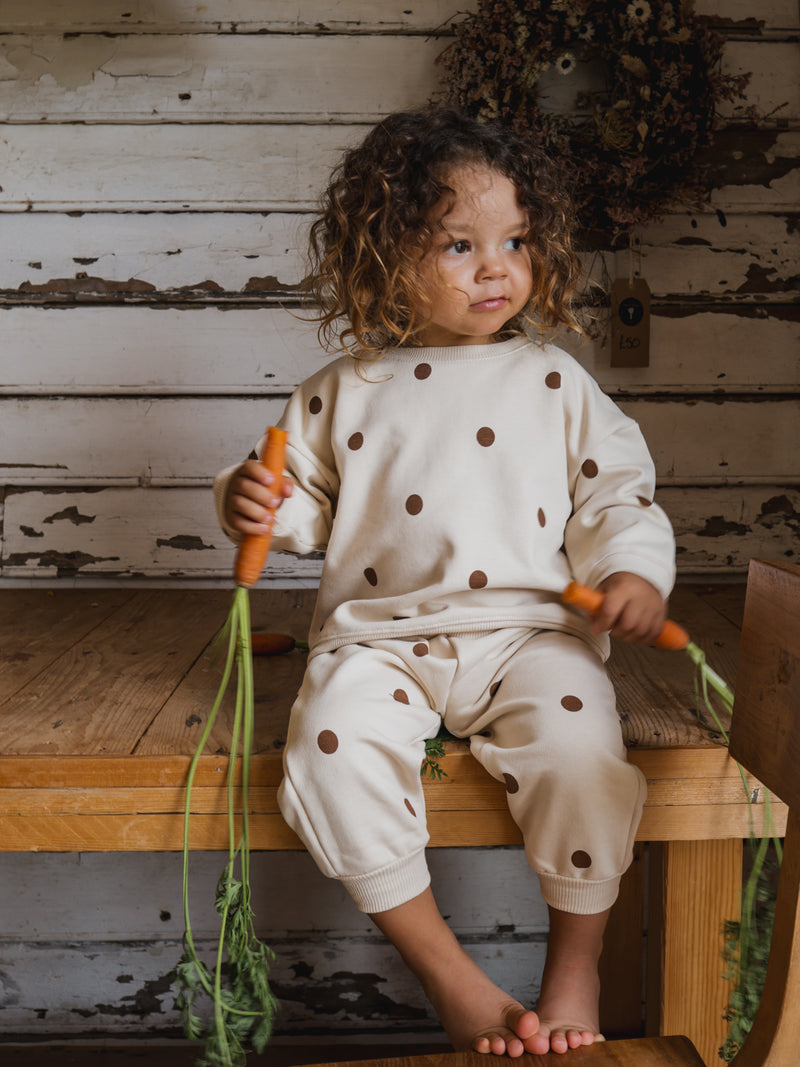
[477, 274]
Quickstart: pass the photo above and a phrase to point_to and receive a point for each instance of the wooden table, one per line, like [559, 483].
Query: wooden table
[103, 694]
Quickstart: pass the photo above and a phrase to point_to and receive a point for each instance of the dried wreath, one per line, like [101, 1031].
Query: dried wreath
[647, 82]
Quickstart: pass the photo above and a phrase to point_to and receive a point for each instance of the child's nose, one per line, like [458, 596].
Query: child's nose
[492, 264]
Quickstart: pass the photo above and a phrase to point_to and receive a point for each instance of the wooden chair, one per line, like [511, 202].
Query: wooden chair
[765, 739]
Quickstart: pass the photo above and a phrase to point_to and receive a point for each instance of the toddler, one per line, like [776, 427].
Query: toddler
[458, 475]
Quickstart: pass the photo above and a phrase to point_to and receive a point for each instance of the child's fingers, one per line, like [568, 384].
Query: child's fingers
[263, 487]
[252, 498]
[629, 612]
[631, 620]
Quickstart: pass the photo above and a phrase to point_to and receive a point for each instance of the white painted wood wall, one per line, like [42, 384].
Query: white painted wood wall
[158, 163]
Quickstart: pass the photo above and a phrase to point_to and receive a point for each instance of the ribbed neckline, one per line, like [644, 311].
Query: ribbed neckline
[457, 353]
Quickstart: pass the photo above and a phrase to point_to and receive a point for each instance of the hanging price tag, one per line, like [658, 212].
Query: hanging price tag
[630, 323]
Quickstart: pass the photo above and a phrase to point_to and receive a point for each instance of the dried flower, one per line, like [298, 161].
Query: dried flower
[639, 11]
[631, 147]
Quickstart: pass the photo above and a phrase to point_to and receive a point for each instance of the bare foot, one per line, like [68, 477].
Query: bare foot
[476, 1014]
[568, 1005]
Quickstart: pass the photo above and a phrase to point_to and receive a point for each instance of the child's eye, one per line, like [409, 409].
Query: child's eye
[459, 247]
[515, 243]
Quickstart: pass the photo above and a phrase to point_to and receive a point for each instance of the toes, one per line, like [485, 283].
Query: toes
[523, 1022]
[538, 1044]
[498, 1044]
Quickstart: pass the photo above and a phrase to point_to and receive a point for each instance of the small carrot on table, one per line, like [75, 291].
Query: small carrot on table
[264, 644]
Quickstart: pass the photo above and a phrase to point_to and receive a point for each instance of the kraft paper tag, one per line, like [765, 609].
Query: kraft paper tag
[630, 323]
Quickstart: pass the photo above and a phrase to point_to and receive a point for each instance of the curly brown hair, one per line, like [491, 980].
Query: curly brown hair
[375, 224]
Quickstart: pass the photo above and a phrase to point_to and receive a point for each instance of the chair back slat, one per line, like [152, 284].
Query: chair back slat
[765, 729]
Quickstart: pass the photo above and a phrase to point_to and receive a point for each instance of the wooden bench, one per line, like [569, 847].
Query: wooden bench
[104, 691]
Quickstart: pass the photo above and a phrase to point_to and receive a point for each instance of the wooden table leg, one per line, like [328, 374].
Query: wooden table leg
[695, 887]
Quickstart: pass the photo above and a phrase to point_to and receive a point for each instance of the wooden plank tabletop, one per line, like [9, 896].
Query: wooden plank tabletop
[104, 694]
[116, 672]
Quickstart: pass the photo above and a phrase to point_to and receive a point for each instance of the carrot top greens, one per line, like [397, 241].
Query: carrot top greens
[240, 1007]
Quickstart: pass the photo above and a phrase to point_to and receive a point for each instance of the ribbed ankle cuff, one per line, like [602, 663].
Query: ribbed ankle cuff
[390, 886]
[578, 896]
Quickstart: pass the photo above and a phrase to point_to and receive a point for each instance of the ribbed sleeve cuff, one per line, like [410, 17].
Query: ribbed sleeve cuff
[578, 896]
[390, 886]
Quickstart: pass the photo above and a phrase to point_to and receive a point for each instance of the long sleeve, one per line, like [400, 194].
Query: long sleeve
[615, 524]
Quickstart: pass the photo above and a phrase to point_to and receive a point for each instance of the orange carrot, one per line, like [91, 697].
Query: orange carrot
[252, 554]
[672, 635]
[271, 644]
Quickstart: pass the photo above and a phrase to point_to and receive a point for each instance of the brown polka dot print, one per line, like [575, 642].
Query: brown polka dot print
[315, 405]
[589, 468]
[570, 703]
[422, 371]
[542, 518]
[328, 742]
[371, 576]
[485, 436]
[410, 807]
[414, 504]
[553, 380]
[420, 649]
[477, 580]
[355, 442]
[512, 785]
[581, 859]
[401, 696]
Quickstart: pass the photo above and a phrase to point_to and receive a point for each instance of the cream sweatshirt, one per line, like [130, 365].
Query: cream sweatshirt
[459, 489]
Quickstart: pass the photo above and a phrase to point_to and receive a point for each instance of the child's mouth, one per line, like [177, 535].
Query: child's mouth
[492, 303]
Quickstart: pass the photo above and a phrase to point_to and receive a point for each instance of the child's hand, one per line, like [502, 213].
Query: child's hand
[632, 609]
[251, 494]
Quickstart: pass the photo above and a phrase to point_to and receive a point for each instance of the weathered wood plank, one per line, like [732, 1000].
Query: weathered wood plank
[161, 441]
[59, 710]
[234, 78]
[173, 533]
[269, 351]
[158, 253]
[227, 78]
[700, 890]
[284, 167]
[179, 724]
[47, 634]
[315, 16]
[325, 985]
[166, 533]
[68, 902]
[253, 16]
[210, 256]
[442, 797]
[137, 832]
[179, 167]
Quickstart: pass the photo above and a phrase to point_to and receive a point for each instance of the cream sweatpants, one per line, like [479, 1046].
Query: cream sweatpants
[541, 717]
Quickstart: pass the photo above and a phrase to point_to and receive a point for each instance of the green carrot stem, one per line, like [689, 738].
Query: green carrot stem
[248, 727]
[188, 938]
